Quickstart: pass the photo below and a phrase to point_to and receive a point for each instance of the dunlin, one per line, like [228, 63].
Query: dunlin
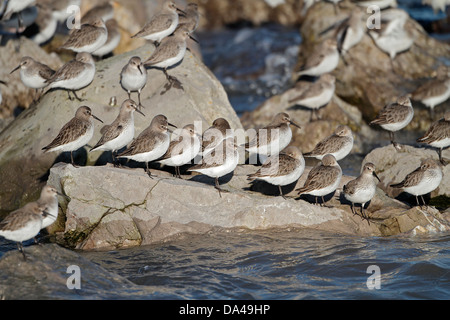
[182, 150]
[151, 144]
[393, 38]
[23, 224]
[282, 169]
[16, 6]
[74, 134]
[339, 144]
[105, 11]
[112, 41]
[215, 134]
[170, 52]
[34, 74]
[191, 17]
[435, 91]
[423, 180]
[221, 161]
[351, 31]
[161, 24]
[49, 202]
[74, 75]
[273, 138]
[120, 132]
[362, 189]
[46, 24]
[60, 8]
[394, 117]
[322, 179]
[88, 38]
[323, 59]
[315, 95]
[134, 77]
[438, 135]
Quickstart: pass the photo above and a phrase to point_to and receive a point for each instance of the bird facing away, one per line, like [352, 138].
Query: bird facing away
[362, 189]
[281, 169]
[215, 134]
[191, 17]
[221, 161]
[322, 179]
[161, 25]
[120, 132]
[74, 134]
[423, 180]
[323, 59]
[438, 135]
[273, 138]
[314, 95]
[339, 144]
[49, 201]
[112, 41]
[134, 77]
[34, 74]
[88, 38]
[394, 117]
[170, 52]
[435, 91]
[74, 75]
[182, 149]
[23, 224]
[151, 144]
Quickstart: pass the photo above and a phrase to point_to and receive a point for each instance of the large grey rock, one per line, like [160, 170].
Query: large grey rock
[23, 166]
[120, 207]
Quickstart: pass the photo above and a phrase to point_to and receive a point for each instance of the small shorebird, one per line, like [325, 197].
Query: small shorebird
[105, 11]
[315, 95]
[170, 52]
[151, 144]
[34, 74]
[120, 132]
[421, 181]
[215, 134]
[438, 135]
[435, 91]
[49, 201]
[74, 134]
[74, 75]
[351, 31]
[221, 161]
[161, 25]
[46, 25]
[134, 77]
[16, 6]
[182, 150]
[273, 138]
[394, 117]
[190, 18]
[23, 224]
[112, 41]
[323, 59]
[339, 144]
[322, 179]
[88, 38]
[281, 169]
[362, 189]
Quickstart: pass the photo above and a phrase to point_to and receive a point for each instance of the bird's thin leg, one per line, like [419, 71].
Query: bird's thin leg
[281, 192]
[20, 247]
[75, 94]
[217, 186]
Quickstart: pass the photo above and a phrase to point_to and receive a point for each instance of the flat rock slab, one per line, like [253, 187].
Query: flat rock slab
[123, 207]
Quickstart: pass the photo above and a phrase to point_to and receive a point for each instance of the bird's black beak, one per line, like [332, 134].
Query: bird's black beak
[172, 125]
[295, 124]
[193, 38]
[96, 118]
[179, 10]
[374, 173]
[140, 70]
[15, 69]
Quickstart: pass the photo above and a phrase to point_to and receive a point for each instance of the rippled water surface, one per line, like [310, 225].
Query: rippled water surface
[286, 264]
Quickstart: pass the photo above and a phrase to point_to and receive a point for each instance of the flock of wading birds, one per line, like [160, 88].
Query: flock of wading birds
[281, 164]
